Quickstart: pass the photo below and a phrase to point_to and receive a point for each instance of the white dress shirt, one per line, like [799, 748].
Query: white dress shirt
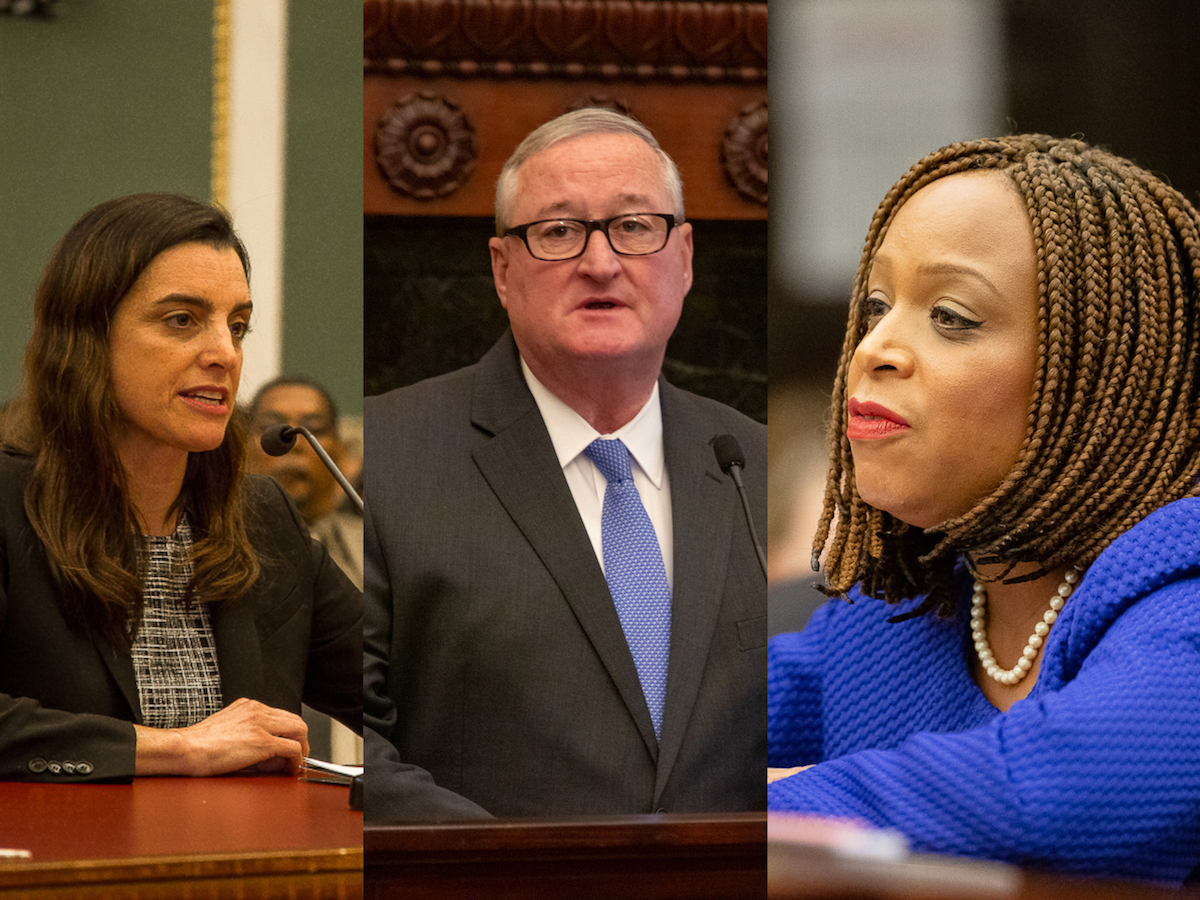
[571, 434]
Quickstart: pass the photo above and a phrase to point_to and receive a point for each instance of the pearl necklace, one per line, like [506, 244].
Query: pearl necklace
[1029, 654]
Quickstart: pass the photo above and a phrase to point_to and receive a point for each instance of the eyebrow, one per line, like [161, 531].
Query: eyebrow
[202, 302]
[948, 268]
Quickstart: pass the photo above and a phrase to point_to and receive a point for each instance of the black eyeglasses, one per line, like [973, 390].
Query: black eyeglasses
[633, 234]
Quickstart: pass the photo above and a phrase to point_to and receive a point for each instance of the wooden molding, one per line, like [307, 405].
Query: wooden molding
[450, 87]
[641, 40]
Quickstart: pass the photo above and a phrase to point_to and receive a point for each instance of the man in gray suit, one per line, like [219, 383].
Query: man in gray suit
[532, 647]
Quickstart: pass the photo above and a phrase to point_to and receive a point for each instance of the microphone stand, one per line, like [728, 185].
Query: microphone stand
[279, 439]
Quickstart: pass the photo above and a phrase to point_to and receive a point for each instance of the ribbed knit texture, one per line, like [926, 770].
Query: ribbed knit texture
[1097, 771]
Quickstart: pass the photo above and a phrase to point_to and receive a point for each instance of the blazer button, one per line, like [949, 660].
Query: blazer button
[68, 767]
[83, 768]
[54, 766]
[37, 766]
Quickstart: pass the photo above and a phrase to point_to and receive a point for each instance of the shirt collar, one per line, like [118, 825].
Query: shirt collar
[570, 433]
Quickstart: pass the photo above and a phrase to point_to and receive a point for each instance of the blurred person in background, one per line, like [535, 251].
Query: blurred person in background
[297, 400]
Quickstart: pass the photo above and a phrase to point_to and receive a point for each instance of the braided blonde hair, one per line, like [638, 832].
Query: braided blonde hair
[1114, 420]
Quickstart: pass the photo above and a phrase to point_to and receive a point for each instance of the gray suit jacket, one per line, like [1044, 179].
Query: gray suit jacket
[497, 679]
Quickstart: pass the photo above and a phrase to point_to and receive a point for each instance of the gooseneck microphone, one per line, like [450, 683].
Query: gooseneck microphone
[279, 439]
[731, 460]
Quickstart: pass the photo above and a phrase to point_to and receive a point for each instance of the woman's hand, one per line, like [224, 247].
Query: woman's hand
[777, 774]
[245, 735]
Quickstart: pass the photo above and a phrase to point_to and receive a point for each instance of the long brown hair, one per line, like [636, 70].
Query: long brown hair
[1114, 420]
[66, 417]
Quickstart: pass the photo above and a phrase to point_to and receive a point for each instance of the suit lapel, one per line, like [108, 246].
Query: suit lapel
[704, 512]
[522, 469]
[120, 666]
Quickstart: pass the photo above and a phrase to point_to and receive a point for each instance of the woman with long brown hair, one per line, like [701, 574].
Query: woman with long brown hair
[160, 612]
[1013, 511]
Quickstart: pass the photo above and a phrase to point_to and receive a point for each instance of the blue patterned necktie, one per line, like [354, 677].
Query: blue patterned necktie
[633, 568]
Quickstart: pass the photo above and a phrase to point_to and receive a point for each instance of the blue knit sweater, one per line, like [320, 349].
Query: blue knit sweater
[1096, 771]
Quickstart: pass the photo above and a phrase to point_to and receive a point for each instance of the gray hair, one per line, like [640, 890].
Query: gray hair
[580, 122]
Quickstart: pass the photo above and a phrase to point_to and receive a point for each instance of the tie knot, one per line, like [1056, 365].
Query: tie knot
[611, 458]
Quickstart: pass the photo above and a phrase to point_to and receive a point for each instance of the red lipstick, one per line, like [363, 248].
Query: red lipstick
[870, 421]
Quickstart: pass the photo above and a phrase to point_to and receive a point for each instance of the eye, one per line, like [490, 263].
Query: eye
[633, 225]
[179, 320]
[950, 320]
[556, 231]
[239, 329]
[874, 309]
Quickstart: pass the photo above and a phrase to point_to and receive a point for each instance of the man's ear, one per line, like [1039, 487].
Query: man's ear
[500, 268]
[686, 250]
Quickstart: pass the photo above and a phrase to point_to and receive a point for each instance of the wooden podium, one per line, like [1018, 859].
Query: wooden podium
[700, 857]
[703, 857]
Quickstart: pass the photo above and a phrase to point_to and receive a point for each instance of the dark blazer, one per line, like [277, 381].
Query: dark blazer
[68, 700]
[497, 678]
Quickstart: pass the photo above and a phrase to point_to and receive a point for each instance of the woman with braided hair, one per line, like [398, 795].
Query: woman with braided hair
[1012, 515]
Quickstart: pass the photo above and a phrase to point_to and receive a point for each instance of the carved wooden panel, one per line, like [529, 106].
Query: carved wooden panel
[644, 40]
[484, 73]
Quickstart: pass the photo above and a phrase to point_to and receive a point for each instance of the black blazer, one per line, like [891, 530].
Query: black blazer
[68, 701]
[497, 678]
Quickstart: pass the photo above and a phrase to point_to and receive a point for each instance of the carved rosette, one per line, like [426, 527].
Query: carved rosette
[744, 152]
[425, 146]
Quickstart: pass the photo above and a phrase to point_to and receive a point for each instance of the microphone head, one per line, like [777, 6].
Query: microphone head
[278, 439]
[728, 452]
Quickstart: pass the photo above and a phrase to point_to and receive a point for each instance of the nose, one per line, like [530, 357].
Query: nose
[886, 347]
[221, 349]
[599, 261]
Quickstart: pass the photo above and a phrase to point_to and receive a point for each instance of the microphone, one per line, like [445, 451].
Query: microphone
[731, 460]
[279, 439]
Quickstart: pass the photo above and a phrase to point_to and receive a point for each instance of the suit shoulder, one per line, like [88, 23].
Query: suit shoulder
[421, 393]
[432, 400]
[720, 417]
[14, 472]
[15, 469]
[269, 512]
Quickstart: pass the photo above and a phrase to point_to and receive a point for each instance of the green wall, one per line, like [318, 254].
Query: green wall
[115, 97]
[109, 98]
[323, 251]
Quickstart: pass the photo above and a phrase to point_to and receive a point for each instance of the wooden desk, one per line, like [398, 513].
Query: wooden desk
[239, 836]
[796, 873]
[711, 857]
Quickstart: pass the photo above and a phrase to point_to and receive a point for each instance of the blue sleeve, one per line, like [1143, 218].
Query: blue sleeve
[794, 694]
[1101, 776]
